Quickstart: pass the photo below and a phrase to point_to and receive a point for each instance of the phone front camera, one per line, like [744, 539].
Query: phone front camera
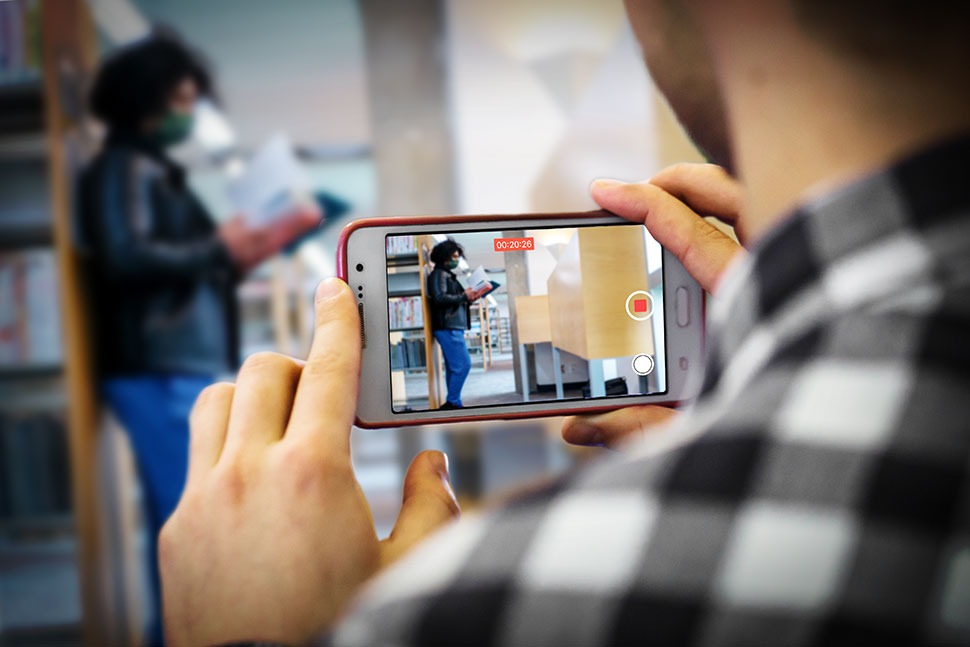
[360, 267]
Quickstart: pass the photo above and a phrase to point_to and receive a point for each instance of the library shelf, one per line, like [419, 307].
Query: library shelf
[16, 372]
[37, 524]
[23, 236]
[23, 107]
[411, 369]
[400, 260]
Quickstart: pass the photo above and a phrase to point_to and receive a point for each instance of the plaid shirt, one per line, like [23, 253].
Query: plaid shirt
[817, 493]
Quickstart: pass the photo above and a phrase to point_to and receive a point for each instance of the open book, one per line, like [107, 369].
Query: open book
[479, 279]
[272, 184]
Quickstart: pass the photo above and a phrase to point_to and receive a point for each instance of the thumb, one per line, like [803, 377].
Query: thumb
[428, 503]
[705, 251]
[613, 428]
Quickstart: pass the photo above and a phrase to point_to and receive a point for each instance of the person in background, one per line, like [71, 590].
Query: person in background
[451, 316]
[162, 274]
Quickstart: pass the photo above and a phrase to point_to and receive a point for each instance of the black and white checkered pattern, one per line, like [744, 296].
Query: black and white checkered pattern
[818, 493]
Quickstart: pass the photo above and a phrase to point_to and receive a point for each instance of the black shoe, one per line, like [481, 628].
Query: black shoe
[448, 406]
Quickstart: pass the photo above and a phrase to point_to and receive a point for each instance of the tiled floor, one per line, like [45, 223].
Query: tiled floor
[493, 386]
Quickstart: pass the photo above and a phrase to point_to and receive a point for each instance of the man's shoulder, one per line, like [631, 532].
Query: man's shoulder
[122, 160]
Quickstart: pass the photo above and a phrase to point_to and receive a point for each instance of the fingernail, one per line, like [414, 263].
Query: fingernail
[583, 433]
[439, 461]
[605, 183]
[328, 288]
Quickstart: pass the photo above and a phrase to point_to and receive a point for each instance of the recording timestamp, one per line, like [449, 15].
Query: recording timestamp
[514, 244]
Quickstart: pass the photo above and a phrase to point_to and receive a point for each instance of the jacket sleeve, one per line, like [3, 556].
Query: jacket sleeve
[120, 220]
[439, 291]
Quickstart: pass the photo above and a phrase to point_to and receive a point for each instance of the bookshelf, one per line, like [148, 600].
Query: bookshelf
[34, 486]
[22, 107]
[49, 416]
[406, 316]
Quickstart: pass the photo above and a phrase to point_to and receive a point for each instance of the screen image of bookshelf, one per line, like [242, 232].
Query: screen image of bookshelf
[41, 537]
[406, 318]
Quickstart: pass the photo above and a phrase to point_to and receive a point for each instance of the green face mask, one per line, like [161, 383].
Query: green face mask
[452, 264]
[174, 128]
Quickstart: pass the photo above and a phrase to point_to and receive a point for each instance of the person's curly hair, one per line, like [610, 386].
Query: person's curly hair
[443, 251]
[135, 82]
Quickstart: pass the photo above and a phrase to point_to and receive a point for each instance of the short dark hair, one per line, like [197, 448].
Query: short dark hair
[136, 81]
[898, 33]
[444, 250]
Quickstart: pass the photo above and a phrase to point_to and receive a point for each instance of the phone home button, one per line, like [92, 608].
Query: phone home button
[682, 306]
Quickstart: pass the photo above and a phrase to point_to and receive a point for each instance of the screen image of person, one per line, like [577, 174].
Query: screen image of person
[450, 317]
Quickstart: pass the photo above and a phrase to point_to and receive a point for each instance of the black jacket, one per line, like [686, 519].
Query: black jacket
[163, 284]
[450, 308]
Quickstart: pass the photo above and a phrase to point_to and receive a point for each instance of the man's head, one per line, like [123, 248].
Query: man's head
[890, 45]
[446, 254]
[151, 86]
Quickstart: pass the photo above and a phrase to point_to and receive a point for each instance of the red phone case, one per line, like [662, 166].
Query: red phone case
[428, 220]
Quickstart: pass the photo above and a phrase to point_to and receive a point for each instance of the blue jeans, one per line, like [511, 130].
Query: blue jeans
[154, 410]
[457, 361]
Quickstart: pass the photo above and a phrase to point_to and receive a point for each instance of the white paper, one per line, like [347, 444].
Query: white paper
[272, 183]
[479, 279]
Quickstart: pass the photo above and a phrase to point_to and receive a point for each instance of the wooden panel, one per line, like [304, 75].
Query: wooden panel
[588, 290]
[533, 319]
[431, 359]
[68, 51]
[566, 301]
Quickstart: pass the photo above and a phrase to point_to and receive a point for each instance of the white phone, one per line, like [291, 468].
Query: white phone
[513, 316]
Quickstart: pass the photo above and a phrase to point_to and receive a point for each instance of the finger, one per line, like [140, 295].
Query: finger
[613, 427]
[262, 402]
[428, 503]
[208, 423]
[705, 188]
[326, 397]
[704, 250]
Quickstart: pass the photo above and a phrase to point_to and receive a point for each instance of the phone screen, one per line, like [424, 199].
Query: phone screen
[498, 317]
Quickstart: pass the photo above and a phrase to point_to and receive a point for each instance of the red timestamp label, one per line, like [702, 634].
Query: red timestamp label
[514, 244]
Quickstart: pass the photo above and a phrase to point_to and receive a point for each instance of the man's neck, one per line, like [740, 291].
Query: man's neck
[804, 123]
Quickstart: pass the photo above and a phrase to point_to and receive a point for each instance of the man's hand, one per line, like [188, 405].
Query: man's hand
[246, 246]
[249, 246]
[273, 535]
[474, 295]
[672, 206]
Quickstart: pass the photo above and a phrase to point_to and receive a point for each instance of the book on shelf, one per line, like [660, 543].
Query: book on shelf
[400, 245]
[407, 353]
[20, 43]
[405, 312]
[30, 333]
[33, 466]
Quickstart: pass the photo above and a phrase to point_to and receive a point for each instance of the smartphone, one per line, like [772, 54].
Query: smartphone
[513, 316]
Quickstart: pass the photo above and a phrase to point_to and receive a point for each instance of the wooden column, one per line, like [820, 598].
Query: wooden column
[69, 52]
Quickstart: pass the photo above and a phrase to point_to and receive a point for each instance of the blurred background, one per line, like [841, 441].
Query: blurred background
[389, 108]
